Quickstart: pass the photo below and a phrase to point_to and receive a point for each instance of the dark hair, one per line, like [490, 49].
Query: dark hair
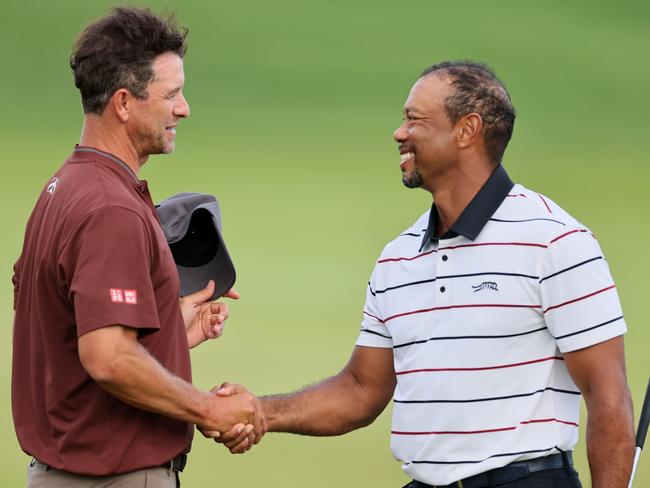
[117, 51]
[476, 89]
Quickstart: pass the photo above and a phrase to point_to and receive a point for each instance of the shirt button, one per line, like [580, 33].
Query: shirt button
[444, 257]
[442, 289]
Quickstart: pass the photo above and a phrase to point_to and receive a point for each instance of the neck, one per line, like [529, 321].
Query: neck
[455, 189]
[98, 133]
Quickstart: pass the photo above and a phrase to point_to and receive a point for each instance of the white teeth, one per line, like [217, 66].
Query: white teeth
[172, 130]
[405, 156]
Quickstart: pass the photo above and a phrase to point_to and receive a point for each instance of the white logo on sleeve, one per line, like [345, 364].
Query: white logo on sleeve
[131, 296]
[118, 295]
[53, 184]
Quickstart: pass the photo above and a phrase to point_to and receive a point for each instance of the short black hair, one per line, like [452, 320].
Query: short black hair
[117, 51]
[476, 89]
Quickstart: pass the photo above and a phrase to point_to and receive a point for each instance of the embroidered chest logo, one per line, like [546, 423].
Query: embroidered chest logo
[119, 295]
[53, 184]
[486, 285]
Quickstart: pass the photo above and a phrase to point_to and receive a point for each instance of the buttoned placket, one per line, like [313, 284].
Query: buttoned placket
[444, 263]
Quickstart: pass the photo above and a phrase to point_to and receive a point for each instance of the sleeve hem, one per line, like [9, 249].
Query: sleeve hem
[592, 338]
[370, 340]
[145, 323]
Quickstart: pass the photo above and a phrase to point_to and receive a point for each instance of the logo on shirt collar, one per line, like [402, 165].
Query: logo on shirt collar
[486, 285]
[53, 184]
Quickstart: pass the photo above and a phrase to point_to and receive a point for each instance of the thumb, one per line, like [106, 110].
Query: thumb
[226, 389]
[201, 296]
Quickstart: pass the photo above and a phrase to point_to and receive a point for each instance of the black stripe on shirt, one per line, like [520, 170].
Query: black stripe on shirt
[570, 268]
[451, 338]
[449, 277]
[413, 234]
[526, 220]
[376, 333]
[505, 454]
[588, 329]
[489, 399]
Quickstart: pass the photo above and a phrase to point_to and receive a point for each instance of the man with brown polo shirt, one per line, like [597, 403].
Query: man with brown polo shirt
[101, 383]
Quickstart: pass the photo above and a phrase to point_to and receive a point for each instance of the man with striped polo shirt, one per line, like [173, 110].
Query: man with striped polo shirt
[485, 320]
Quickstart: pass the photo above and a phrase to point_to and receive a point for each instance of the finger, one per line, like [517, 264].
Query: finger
[241, 448]
[236, 432]
[244, 434]
[200, 296]
[219, 308]
[217, 319]
[227, 389]
[211, 434]
[232, 293]
[216, 332]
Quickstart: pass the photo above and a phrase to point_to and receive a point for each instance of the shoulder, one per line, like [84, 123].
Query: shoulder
[527, 214]
[409, 240]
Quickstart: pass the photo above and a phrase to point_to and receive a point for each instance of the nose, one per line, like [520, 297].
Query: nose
[400, 134]
[182, 108]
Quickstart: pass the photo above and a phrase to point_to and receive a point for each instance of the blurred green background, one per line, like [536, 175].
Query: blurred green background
[293, 105]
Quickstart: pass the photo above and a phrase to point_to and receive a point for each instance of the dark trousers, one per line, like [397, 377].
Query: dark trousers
[550, 478]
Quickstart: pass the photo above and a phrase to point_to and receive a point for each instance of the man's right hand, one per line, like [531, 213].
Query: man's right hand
[238, 416]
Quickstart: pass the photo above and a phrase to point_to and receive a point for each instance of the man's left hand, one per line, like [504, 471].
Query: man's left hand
[204, 320]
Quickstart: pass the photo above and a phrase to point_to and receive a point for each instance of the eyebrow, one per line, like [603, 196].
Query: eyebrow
[412, 111]
[174, 91]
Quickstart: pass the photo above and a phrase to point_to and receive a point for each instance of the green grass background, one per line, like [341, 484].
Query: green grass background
[293, 105]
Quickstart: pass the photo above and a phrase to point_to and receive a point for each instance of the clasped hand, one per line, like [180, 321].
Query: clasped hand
[242, 416]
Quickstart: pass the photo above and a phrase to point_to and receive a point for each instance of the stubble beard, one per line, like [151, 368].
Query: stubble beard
[412, 180]
[157, 144]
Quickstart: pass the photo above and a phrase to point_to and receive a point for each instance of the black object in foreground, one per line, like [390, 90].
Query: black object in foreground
[641, 431]
[192, 226]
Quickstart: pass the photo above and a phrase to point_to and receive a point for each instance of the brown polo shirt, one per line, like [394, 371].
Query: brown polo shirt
[94, 255]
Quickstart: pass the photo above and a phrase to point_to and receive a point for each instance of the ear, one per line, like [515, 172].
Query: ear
[468, 130]
[120, 103]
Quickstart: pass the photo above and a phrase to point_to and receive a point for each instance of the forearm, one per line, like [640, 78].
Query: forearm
[136, 378]
[114, 358]
[610, 438]
[332, 407]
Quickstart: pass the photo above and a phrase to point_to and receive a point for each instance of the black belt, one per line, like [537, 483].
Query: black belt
[506, 474]
[177, 464]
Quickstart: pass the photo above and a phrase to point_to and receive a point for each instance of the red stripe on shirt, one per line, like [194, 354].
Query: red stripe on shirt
[545, 204]
[373, 316]
[386, 260]
[568, 233]
[579, 298]
[533, 244]
[478, 305]
[481, 368]
[484, 431]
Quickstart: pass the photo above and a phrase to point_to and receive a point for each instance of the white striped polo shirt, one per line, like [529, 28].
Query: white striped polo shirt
[478, 320]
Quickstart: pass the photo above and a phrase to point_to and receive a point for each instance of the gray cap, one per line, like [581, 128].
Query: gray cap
[192, 226]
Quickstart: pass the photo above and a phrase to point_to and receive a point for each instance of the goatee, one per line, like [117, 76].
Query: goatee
[412, 180]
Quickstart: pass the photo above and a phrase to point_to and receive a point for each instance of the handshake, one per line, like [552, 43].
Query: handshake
[236, 420]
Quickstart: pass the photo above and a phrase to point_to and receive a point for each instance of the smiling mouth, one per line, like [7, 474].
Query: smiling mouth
[171, 130]
[404, 157]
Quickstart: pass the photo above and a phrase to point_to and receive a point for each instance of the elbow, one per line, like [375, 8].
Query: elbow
[104, 368]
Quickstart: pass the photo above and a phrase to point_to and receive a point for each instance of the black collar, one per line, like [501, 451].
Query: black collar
[477, 213]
